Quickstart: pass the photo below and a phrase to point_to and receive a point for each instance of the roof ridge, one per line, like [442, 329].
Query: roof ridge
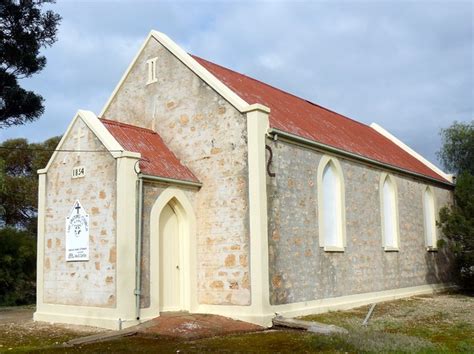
[114, 122]
[283, 91]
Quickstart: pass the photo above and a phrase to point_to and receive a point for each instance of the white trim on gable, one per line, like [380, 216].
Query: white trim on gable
[124, 76]
[412, 152]
[200, 71]
[229, 95]
[95, 125]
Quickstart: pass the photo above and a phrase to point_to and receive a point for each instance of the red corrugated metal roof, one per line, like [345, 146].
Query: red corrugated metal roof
[311, 121]
[157, 159]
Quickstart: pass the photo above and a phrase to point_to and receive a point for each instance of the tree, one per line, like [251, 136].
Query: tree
[457, 151]
[19, 161]
[24, 30]
[457, 221]
[17, 267]
[2, 184]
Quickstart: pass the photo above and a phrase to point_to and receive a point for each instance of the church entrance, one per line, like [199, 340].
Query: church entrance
[170, 257]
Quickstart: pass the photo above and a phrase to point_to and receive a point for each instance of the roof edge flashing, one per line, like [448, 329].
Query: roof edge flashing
[379, 129]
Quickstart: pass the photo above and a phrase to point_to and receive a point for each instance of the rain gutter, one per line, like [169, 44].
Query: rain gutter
[298, 140]
[170, 180]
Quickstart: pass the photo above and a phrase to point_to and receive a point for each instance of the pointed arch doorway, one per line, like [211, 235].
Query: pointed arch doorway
[172, 254]
[170, 262]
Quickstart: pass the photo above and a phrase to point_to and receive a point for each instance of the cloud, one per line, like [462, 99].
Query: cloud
[271, 61]
[405, 65]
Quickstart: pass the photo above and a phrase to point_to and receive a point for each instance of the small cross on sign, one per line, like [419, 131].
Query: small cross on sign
[77, 207]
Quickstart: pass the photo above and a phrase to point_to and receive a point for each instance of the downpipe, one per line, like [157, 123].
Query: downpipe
[139, 226]
[138, 248]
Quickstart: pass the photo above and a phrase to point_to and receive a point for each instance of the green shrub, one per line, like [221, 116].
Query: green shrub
[457, 223]
[17, 267]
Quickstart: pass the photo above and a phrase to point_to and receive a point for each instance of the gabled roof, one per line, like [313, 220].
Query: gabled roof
[157, 159]
[305, 119]
[299, 117]
[93, 123]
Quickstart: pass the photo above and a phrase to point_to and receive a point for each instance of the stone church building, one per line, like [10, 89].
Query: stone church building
[201, 189]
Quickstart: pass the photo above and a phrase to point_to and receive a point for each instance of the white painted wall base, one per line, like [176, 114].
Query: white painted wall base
[105, 317]
[351, 301]
[82, 315]
[84, 320]
[249, 314]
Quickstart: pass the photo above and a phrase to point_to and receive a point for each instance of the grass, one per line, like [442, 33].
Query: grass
[26, 340]
[442, 323]
[428, 324]
[259, 342]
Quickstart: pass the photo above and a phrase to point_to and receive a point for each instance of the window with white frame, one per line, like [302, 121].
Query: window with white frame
[151, 70]
[389, 213]
[331, 205]
[430, 218]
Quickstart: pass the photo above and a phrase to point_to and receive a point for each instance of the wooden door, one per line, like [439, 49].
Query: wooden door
[170, 272]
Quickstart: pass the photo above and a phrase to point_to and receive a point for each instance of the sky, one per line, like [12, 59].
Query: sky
[406, 65]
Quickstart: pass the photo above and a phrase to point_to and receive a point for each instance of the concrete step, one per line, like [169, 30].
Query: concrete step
[310, 326]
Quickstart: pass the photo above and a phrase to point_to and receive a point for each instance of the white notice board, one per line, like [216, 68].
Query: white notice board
[77, 234]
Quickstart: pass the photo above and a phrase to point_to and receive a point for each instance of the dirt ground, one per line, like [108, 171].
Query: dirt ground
[19, 332]
[440, 323]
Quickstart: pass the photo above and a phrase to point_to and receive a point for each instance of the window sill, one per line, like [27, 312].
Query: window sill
[333, 249]
[391, 249]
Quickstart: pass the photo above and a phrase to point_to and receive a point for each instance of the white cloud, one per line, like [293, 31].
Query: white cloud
[405, 65]
[271, 61]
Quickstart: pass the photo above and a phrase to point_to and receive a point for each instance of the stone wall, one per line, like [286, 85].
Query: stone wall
[209, 136]
[86, 283]
[301, 271]
[230, 270]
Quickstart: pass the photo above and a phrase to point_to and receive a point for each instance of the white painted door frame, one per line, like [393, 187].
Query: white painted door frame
[171, 269]
[179, 202]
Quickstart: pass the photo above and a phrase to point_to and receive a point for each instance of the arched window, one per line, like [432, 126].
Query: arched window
[430, 217]
[389, 213]
[331, 205]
